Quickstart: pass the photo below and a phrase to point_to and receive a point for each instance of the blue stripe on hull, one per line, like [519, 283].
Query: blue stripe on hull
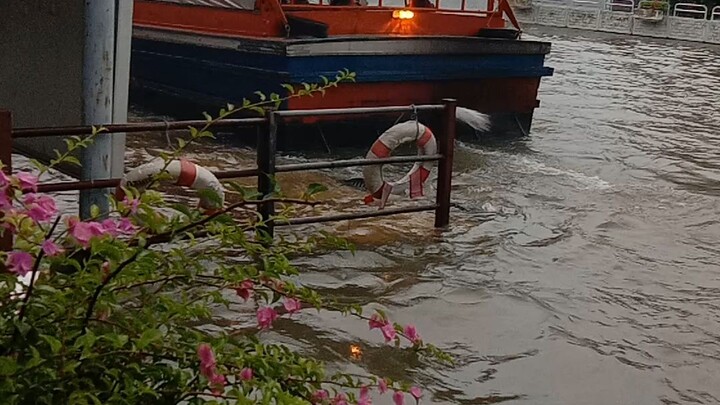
[230, 75]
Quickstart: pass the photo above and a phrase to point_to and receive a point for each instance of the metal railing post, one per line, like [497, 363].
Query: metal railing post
[446, 148]
[6, 159]
[266, 150]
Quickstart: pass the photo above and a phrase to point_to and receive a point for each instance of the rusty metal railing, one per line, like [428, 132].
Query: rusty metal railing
[265, 157]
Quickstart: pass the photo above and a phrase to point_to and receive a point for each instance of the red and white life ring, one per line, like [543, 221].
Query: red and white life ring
[184, 172]
[395, 136]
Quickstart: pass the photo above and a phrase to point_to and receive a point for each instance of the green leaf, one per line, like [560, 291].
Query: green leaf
[289, 88]
[117, 340]
[207, 116]
[94, 211]
[35, 360]
[262, 95]
[149, 336]
[55, 345]
[206, 134]
[8, 366]
[71, 366]
[72, 160]
[183, 208]
[315, 188]
[86, 341]
[212, 196]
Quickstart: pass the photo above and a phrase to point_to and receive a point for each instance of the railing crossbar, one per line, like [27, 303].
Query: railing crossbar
[236, 174]
[359, 215]
[18, 133]
[266, 167]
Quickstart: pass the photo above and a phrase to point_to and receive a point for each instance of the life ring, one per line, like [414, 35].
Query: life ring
[395, 136]
[184, 172]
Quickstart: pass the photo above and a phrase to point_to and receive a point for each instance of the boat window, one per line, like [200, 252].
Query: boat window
[234, 4]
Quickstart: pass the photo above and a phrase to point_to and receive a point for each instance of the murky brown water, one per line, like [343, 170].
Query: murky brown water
[582, 264]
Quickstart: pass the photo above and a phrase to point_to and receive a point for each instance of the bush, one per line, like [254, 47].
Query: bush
[114, 305]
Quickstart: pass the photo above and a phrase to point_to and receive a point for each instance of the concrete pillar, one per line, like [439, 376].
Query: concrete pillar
[98, 85]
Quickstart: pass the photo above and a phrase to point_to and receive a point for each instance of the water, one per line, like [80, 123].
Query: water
[582, 263]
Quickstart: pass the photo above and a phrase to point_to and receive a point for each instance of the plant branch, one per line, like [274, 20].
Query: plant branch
[150, 282]
[105, 282]
[36, 267]
[168, 236]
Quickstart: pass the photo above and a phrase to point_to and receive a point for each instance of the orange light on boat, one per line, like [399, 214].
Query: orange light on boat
[355, 352]
[403, 14]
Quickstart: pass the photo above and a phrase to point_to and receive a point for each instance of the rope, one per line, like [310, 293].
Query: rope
[414, 116]
[167, 133]
[520, 125]
[325, 142]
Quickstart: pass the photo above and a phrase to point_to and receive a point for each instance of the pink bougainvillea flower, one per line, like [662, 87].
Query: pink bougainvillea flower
[4, 179]
[19, 263]
[125, 226]
[245, 289]
[217, 379]
[84, 231]
[207, 360]
[5, 201]
[246, 374]
[382, 386]
[265, 317]
[110, 227]
[399, 398]
[217, 383]
[28, 181]
[133, 205]
[388, 332]
[278, 285]
[8, 226]
[40, 208]
[364, 398]
[292, 305]
[51, 249]
[319, 396]
[411, 333]
[416, 392]
[376, 321]
[340, 399]
[207, 368]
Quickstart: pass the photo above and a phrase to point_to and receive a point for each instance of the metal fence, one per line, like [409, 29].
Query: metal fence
[651, 18]
[266, 166]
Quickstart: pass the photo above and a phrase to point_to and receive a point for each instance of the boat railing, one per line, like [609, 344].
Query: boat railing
[715, 13]
[266, 167]
[556, 3]
[580, 4]
[620, 5]
[468, 6]
[587, 4]
[691, 10]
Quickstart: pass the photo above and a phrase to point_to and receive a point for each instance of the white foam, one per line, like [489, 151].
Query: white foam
[590, 182]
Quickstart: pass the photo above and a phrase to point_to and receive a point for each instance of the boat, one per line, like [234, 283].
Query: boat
[212, 52]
